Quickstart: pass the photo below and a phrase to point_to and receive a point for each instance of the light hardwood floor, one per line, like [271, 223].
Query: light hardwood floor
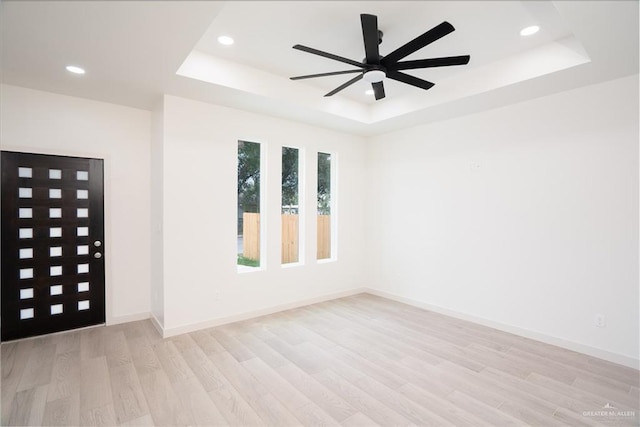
[356, 361]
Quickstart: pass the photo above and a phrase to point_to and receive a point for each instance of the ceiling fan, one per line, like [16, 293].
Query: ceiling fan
[374, 68]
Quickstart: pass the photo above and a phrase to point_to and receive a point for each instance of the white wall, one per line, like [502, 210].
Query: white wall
[201, 282]
[524, 217]
[41, 122]
[157, 185]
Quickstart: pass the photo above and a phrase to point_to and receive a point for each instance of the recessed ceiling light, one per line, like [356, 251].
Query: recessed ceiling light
[368, 92]
[75, 70]
[529, 30]
[225, 40]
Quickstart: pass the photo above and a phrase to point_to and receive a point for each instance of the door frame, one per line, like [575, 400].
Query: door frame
[106, 159]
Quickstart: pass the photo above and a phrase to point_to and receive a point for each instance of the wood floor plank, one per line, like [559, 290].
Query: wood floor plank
[164, 405]
[117, 349]
[233, 407]
[195, 399]
[358, 420]
[65, 377]
[172, 361]
[128, 399]
[329, 401]
[275, 384]
[38, 369]
[67, 342]
[92, 343]
[376, 411]
[100, 416]
[28, 406]
[491, 415]
[207, 342]
[298, 404]
[262, 350]
[232, 345]
[203, 368]
[96, 401]
[146, 421]
[142, 354]
[449, 411]
[64, 411]
[14, 359]
[529, 416]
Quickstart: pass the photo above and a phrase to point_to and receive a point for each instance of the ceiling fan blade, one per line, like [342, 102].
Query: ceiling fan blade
[419, 42]
[378, 90]
[410, 80]
[333, 73]
[432, 62]
[328, 55]
[370, 36]
[349, 83]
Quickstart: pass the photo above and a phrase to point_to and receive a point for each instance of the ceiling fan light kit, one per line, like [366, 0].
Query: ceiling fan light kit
[375, 68]
[374, 76]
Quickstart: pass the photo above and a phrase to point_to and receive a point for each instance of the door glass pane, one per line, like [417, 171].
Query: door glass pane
[82, 176]
[55, 212]
[55, 174]
[248, 204]
[24, 193]
[26, 293]
[83, 231]
[25, 213]
[83, 305]
[55, 193]
[55, 251]
[55, 232]
[25, 233]
[26, 253]
[55, 290]
[24, 172]
[26, 273]
[26, 313]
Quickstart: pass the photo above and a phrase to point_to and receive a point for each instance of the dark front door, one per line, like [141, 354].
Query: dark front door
[52, 244]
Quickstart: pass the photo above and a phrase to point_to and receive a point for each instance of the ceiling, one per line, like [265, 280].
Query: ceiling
[134, 52]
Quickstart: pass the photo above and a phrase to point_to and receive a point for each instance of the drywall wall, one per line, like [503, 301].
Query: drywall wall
[524, 216]
[41, 122]
[157, 258]
[201, 281]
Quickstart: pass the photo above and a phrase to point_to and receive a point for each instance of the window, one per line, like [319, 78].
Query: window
[249, 204]
[324, 206]
[290, 208]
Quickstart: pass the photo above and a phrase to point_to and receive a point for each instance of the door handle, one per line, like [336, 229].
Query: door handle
[97, 255]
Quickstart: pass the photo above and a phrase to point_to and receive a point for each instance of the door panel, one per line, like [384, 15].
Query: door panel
[52, 244]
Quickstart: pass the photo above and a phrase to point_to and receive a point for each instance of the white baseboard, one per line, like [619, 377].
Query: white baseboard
[157, 324]
[548, 339]
[170, 332]
[116, 320]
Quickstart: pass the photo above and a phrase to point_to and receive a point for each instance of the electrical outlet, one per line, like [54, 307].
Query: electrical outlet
[601, 320]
